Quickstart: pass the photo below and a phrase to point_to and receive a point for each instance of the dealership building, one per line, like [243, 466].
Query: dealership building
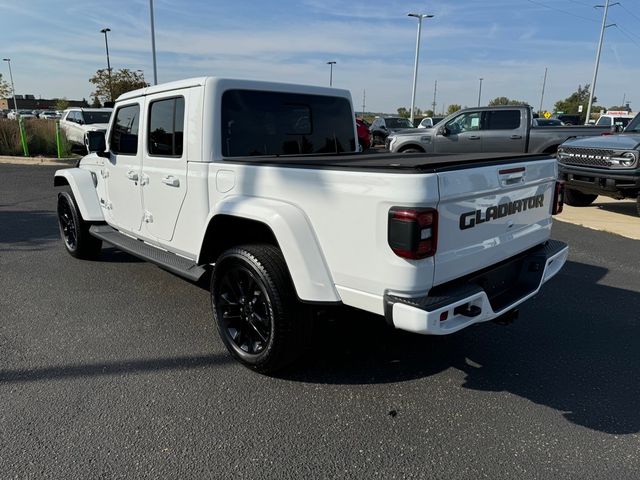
[30, 102]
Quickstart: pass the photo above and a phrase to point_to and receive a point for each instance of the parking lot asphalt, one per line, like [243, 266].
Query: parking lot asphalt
[112, 369]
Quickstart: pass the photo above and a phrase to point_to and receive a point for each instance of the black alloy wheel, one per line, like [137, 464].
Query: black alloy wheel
[68, 227]
[244, 310]
[78, 242]
[256, 310]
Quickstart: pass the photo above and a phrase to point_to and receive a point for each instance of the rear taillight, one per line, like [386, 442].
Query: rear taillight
[558, 198]
[413, 232]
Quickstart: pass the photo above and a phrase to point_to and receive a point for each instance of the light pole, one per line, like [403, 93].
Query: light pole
[13, 89]
[420, 17]
[331, 64]
[480, 91]
[153, 44]
[544, 84]
[595, 70]
[106, 44]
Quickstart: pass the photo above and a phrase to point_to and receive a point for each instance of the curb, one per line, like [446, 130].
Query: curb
[37, 161]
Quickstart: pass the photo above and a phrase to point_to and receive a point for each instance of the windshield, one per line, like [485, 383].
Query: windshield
[398, 123]
[96, 117]
[634, 126]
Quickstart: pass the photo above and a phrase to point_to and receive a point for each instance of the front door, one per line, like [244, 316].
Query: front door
[122, 170]
[463, 135]
[164, 164]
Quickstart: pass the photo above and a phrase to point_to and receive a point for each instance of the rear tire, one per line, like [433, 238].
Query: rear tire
[256, 310]
[74, 230]
[576, 198]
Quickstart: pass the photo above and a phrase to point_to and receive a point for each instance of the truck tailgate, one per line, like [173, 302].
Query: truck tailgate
[490, 213]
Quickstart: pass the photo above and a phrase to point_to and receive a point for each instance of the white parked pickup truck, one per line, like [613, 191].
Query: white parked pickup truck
[260, 185]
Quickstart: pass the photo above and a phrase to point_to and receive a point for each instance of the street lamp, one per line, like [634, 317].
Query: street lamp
[106, 44]
[13, 89]
[480, 91]
[153, 44]
[331, 64]
[420, 17]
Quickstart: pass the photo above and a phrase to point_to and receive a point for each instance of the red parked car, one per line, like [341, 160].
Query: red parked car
[364, 135]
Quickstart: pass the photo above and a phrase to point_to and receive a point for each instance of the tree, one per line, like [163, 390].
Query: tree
[121, 81]
[453, 108]
[505, 101]
[5, 89]
[573, 101]
[61, 104]
[403, 112]
[95, 103]
[618, 108]
[428, 113]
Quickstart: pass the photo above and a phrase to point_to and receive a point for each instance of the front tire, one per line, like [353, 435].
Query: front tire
[78, 242]
[576, 198]
[257, 313]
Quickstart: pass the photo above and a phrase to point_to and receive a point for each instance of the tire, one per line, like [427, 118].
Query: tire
[411, 150]
[74, 231]
[576, 198]
[256, 310]
[377, 140]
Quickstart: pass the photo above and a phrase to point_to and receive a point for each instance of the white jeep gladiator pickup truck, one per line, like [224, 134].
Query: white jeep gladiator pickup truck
[261, 185]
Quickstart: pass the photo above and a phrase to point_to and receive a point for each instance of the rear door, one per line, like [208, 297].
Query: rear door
[164, 163]
[504, 130]
[490, 213]
[463, 135]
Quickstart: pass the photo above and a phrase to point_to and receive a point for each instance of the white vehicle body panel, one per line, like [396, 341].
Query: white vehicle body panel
[331, 224]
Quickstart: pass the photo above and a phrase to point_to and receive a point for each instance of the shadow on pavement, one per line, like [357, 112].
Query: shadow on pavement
[574, 349]
[623, 208]
[24, 229]
[111, 368]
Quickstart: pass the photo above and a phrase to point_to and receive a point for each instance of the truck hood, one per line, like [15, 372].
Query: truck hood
[611, 142]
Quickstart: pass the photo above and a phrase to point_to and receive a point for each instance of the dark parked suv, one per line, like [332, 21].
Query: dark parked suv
[383, 126]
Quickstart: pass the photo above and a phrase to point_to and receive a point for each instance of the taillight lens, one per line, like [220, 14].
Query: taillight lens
[413, 232]
[558, 198]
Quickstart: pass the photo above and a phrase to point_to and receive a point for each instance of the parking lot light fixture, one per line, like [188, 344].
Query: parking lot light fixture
[331, 64]
[420, 17]
[106, 44]
[480, 91]
[13, 89]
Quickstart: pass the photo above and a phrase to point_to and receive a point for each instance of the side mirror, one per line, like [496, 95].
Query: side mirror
[444, 131]
[97, 143]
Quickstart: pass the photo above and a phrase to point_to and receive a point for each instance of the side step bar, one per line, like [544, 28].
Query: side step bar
[167, 260]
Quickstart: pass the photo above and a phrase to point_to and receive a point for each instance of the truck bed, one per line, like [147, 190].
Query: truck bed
[392, 162]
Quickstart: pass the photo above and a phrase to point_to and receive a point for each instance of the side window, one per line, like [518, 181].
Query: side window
[604, 122]
[166, 127]
[124, 134]
[467, 122]
[502, 120]
[78, 117]
[71, 116]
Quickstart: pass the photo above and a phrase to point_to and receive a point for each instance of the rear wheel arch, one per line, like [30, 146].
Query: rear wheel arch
[551, 149]
[227, 231]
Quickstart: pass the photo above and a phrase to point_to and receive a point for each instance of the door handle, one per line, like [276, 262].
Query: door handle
[516, 137]
[474, 137]
[171, 181]
[132, 175]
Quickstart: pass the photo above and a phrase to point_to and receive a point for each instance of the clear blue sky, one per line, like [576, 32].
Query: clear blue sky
[55, 46]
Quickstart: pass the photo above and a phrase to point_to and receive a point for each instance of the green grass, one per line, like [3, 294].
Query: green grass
[41, 138]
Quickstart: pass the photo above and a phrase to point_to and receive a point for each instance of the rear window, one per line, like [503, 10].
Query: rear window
[274, 123]
[502, 120]
[604, 122]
